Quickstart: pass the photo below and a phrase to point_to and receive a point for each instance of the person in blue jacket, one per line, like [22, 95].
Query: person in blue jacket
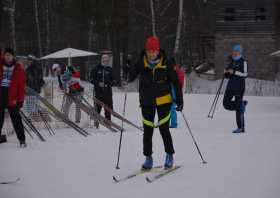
[103, 78]
[237, 71]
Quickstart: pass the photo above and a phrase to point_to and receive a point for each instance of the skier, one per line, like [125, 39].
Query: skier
[34, 80]
[70, 75]
[156, 75]
[12, 94]
[237, 71]
[173, 117]
[103, 78]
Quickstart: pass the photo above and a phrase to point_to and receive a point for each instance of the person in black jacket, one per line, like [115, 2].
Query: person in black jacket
[34, 80]
[237, 71]
[156, 72]
[103, 78]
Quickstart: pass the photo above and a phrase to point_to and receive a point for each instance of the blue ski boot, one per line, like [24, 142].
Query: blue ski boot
[241, 130]
[148, 163]
[168, 161]
[243, 106]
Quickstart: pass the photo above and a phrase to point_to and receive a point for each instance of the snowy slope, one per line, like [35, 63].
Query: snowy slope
[70, 165]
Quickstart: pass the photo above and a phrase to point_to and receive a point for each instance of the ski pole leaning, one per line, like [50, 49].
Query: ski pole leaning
[193, 138]
[127, 79]
[216, 99]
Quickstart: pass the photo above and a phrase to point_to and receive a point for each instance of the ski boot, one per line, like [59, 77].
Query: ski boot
[241, 130]
[22, 144]
[148, 163]
[168, 161]
[3, 139]
[243, 106]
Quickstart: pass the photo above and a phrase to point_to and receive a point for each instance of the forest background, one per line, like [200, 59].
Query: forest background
[108, 26]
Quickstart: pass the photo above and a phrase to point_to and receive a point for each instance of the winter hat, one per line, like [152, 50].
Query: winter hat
[9, 50]
[105, 58]
[55, 67]
[31, 58]
[152, 44]
[238, 48]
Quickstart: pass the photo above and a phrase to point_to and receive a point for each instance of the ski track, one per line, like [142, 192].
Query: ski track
[70, 165]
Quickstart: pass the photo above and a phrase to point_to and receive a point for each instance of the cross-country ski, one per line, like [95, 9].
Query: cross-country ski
[9, 182]
[136, 174]
[164, 172]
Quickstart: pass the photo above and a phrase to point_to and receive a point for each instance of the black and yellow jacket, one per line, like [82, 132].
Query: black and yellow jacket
[155, 84]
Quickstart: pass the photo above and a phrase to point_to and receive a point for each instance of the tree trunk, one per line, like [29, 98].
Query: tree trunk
[13, 26]
[38, 30]
[48, 62]
[153, 19]
[178, 34]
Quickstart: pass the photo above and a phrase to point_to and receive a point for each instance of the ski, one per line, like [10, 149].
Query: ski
[111, 111]
[9, 182]
[164, 173]
[136, 174]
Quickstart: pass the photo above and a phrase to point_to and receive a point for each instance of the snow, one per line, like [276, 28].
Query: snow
[71, 165]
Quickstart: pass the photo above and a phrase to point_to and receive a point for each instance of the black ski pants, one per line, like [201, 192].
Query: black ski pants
[148, 117]
[106, 97]
[15, 117]
[235, 105]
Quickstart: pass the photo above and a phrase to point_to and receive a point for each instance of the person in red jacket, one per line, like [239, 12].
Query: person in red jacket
[12, 93]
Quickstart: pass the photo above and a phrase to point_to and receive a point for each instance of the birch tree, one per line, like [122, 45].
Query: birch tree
[48, 39]
[153, 19]
[38, 29]
[13, 26]
[179, 27]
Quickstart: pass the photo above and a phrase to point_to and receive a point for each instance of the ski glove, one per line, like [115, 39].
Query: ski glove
[19, 105]
[64, 86]
[128, 61]
[68, 74]
[180, 104]
[126, 69]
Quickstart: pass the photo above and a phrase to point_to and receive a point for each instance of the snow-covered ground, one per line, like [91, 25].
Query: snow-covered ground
[71, 165]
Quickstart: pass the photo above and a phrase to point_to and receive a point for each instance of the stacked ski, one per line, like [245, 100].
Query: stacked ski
[40, 112]
[57, 113]
[30, 125]
[112, 111]
[94, 115]
[96, 124]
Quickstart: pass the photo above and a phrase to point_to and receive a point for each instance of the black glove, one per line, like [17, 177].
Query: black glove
[128, 61]
[180, 104]
[107, 86]
[227, 75]
[19, 105]
[126, 69]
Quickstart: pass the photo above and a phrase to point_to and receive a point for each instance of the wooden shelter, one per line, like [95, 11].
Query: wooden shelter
[253, 24]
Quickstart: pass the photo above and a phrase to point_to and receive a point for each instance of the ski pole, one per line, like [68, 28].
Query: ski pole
[193, 138]
[216, 98]
[127, 79]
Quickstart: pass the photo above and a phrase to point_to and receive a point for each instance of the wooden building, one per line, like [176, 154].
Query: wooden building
[253, 24]
[5, 5]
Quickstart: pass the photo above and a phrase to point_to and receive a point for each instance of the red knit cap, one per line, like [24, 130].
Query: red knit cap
[152, 44]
